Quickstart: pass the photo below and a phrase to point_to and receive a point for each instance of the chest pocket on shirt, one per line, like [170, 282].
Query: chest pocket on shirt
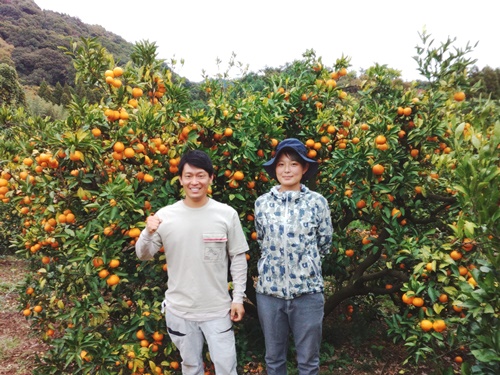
[214, 247]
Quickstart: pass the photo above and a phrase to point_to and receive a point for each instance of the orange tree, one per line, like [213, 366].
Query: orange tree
[396, 160]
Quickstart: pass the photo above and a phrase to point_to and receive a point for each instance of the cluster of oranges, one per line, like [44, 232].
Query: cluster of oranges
[438, 325]
[111, 279]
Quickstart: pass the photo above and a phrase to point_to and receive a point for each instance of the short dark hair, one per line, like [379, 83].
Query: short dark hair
[198, 159]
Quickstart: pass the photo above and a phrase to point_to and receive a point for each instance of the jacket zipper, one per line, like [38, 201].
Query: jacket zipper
[285, 249]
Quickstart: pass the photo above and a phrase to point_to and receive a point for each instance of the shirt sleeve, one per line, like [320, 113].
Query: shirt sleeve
[325, 228]
[237, 242]
[238, 270]
[147, 245]
[258, 224]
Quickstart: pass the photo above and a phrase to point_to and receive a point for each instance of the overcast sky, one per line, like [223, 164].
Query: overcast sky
[275, 32]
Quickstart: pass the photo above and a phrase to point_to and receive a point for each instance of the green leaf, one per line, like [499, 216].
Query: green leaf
[485, 355]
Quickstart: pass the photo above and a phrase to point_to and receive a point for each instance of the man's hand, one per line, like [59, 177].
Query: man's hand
[152, 223]
[237, 312]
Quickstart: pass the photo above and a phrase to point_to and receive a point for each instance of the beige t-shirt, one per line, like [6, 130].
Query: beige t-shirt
[198, 243]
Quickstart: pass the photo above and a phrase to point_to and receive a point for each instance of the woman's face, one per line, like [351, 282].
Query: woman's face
[289, 172]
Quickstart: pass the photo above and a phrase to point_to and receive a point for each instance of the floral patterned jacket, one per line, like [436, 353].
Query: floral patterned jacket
[294, 231]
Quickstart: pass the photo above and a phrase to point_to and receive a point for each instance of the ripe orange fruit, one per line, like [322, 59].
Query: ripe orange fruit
[312, 153]
[238, 175]
[228, 132]
[396, 212]
[157, 336]
[331, 83]
[456, 255]
[117, 71]
[134, 232]
[458, 359]
[443, 298]
[118, 147]
[129, 152]
[459, 96]
[148, 178]
[97, 262]
[310, 143]
[103, 273]
[383, 147]
[116, 83]
[406, 299]
[174, 365]
[117, 155]
[76, 156]
[468, 244]
[349, 253]
[112, 280]
[137, 92]
[418, 302]
[70, 218]
[439, 325]
[26, 312]
[426, 325]
[360, 204]
[378, 169]
[84, 355]
[38, 309]
[96, 132]
[407, 111]
[254, 236]
[113, 263]
[133, 103]
[380, 139]
[472, 282]
[462, 270]
[140, 334]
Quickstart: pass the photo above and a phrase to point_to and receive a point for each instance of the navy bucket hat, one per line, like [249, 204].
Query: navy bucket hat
[297, 146]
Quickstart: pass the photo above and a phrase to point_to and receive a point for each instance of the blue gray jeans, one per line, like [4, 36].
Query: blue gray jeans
[301, 316]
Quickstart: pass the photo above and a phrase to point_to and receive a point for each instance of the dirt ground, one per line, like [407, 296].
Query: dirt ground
[19, 347]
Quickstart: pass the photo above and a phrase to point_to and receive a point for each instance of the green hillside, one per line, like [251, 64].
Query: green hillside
[30, 37]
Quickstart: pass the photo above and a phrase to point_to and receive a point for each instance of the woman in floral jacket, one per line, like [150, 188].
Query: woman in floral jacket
[294, 231]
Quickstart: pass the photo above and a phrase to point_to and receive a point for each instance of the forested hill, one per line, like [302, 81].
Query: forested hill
[30, 37]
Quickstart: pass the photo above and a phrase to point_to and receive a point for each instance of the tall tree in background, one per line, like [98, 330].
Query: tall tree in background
[11, 92]
[44, 91]
[490, 79]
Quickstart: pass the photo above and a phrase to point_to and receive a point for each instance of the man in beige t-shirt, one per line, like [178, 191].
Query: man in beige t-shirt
[201, 238]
